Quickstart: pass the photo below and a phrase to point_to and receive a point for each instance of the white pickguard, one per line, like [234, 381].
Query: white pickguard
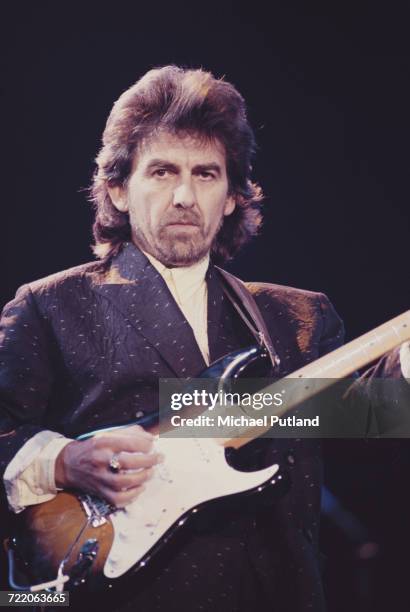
[194, 471]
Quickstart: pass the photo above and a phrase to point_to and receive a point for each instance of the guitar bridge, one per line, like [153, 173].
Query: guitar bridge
[96, 509]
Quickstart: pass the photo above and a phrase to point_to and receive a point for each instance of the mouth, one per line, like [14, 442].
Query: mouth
[182, 224]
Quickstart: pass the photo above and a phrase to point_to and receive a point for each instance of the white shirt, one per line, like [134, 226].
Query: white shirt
[30, 476]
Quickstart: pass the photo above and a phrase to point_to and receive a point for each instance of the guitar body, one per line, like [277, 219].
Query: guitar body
[193, 476]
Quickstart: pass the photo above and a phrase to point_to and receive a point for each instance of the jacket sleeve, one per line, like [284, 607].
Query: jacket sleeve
[387, 391]
[382, 391]
[26, 374]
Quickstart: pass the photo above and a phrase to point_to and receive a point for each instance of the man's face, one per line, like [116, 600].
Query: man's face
[176, 197]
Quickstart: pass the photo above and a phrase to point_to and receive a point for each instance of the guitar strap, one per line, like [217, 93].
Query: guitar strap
[247, 308]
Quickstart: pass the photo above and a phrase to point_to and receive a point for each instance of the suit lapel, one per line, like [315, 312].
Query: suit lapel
[140, 294]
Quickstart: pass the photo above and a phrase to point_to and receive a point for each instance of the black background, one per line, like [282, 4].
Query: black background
[328, 90]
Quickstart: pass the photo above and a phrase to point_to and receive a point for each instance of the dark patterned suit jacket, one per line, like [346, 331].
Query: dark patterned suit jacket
[85, 348]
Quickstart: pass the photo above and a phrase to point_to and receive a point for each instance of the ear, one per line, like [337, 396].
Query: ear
[229, 205]
[119, 198]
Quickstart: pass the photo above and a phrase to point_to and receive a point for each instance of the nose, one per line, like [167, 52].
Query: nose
[184, 195]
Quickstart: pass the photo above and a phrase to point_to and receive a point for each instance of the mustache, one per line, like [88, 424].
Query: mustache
[188, 219]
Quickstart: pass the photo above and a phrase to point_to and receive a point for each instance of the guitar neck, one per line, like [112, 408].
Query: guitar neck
[335, 365]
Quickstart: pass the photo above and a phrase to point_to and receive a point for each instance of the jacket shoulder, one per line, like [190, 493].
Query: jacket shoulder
[282, 293]
[279, 293]
[301, 305]
[306, 310]
[64, 278]
[53, 285]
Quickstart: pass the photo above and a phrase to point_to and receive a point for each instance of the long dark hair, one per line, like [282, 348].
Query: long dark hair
[180, 101]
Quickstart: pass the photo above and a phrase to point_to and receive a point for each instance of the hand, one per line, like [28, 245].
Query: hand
[85, 465]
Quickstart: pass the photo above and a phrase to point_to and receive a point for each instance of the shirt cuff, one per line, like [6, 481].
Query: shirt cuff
[29, 478]
[405, 359]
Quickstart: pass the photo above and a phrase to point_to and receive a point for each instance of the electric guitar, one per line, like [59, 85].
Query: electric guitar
[77, 537]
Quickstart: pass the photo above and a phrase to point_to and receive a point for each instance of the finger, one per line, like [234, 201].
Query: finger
[138, 461]
[140, 442]
[132, 430]
[126, 481]
[127, 430]
[123, 498]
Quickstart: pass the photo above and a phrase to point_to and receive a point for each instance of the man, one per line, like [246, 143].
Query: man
[85, 348]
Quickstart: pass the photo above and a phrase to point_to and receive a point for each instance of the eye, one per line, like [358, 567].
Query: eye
[161, 172]
[206, 175]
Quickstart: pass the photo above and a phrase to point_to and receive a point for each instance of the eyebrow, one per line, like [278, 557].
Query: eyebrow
[162, 163]
[213, 166]
[197, 169]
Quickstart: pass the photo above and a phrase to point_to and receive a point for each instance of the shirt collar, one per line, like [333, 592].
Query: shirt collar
[187, 279]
